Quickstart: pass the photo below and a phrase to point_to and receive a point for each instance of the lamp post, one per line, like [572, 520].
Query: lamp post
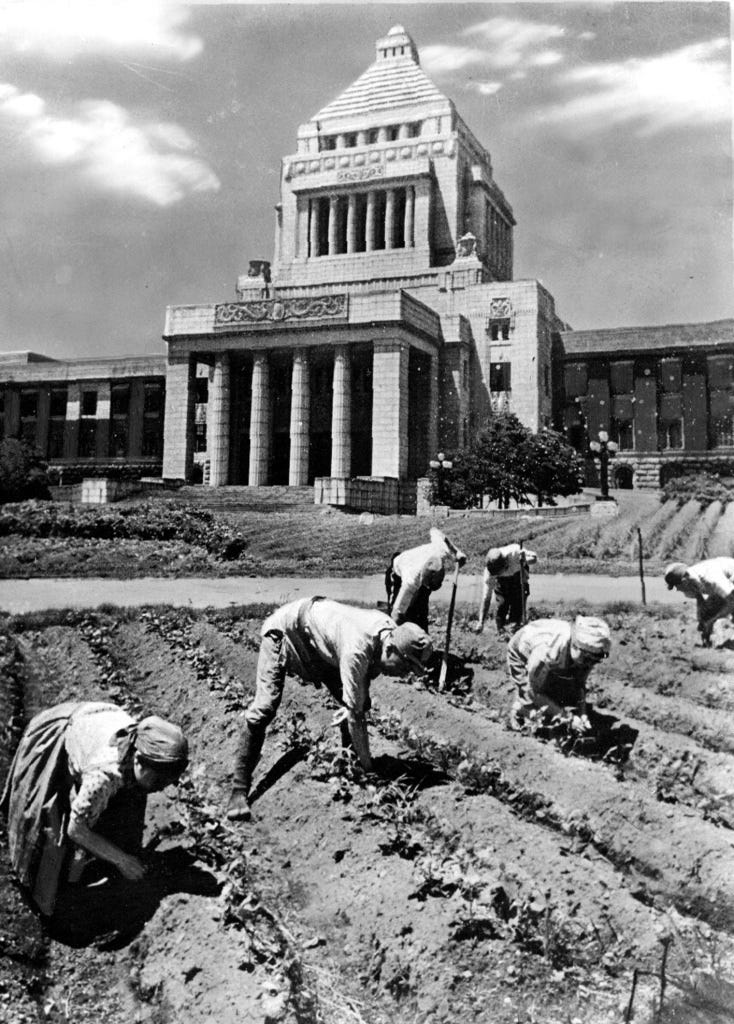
[440, 465]
[603, 450]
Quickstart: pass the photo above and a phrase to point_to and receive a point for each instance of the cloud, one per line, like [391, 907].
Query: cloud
[500, 44]
[65, 28]
[150, 161]
[683, 88]
[484, 88]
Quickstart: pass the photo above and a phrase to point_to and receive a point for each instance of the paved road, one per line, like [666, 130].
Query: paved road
[18, 596]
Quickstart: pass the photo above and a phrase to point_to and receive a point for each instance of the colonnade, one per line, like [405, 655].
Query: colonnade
[361, 222]
[389, 412]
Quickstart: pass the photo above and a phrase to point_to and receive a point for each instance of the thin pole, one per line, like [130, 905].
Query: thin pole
[642, 570]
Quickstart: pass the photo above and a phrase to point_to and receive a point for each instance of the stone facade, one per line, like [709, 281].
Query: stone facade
[387, 327]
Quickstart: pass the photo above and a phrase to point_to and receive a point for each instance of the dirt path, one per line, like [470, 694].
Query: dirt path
[21, 596]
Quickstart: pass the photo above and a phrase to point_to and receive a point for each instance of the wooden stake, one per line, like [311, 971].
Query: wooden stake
[642, 570]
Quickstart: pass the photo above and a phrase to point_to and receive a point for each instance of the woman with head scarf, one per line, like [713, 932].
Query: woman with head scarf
[78, 786]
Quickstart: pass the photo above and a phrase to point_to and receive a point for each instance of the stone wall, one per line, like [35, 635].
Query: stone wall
[383, 495]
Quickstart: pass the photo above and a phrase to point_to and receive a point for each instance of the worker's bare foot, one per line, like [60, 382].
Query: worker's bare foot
[238, 807]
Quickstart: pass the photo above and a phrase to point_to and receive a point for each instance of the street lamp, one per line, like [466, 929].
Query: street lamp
[603, 450]
[440, 465]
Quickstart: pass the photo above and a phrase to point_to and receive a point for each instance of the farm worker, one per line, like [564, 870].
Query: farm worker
[78, 786]
[711, 583]
[325, 642]
[506, 575]
[549, 661]
[414, 574]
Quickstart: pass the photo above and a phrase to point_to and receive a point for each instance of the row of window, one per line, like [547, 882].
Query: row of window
[89, 427]
[370, 136]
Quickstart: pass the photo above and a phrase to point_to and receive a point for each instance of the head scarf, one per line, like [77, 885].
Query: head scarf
[413, 644]
[160, 743]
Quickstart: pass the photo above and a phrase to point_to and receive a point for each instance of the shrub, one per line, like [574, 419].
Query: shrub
[703, 488]
[22, 471]
[146, 521]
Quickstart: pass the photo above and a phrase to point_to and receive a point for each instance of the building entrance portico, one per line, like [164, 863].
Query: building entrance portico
[286, 414]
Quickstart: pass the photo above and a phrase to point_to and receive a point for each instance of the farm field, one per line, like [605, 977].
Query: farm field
[480, 876]
[291, 536]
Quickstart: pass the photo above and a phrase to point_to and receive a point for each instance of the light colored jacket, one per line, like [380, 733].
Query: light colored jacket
[541, 652]
[329, 633]
[715, 577]
[424, 566]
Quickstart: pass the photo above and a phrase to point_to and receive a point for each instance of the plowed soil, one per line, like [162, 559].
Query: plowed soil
[478, 875]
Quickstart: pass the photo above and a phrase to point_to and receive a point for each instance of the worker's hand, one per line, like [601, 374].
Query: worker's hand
[477, 627]
[130, 867]
[340, 716]
[579, 723]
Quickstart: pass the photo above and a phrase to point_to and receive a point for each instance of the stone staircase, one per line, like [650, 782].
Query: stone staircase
[247, 499]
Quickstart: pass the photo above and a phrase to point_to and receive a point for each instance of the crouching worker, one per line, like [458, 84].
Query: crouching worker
[549, 661]
[323, 642]
[413, 575]
[711, 583]
[77, 790]
[506, 575]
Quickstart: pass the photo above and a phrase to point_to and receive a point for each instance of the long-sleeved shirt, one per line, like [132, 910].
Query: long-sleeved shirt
[328, 633]
[93, 759]
[513, 555]
[540, 653]
[424, 566]
[715, 577]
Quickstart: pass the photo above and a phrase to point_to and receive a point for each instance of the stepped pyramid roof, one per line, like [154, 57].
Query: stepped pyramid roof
[394, 80]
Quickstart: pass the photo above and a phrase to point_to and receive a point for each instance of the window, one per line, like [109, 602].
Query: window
[722, 432]
[499, 330]
[499, 377]
[670, 434]
[414, 129]
[201, 390]
[120, 400]
[89, 403]
[28, 405]
[622, 433]
[371, 136]
[392, 132]
[58, 403]
[153, 399]
[153, 395]
[350, 140]
[327, 142]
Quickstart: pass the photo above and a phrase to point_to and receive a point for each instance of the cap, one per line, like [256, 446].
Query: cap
[675, 573]
[413, 644]
[591, 635]
[162, 744]
[496, 561]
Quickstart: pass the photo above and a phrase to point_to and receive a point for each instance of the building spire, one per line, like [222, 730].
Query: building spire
[396, 44]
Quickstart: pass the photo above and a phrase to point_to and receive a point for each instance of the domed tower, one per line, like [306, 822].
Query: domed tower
[386, 181]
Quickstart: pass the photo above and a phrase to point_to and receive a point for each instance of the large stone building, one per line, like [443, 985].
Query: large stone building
[386, 327]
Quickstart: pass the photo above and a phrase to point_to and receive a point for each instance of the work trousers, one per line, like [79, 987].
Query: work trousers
[508, 594]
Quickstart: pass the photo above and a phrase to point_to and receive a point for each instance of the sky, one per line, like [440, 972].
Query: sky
[140, 148]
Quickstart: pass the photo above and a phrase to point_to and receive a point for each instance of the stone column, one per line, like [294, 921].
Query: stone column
[390, 409]
[71, 426]
[352, 222]
[42, 420]
[390, 219]
[341, 415]
[433, 400]
[136, 418]
[333, 224]
[370, 225]
[300, 417]
[178, 436]
[260, 421]
[217, 426]
[104, 407]
[313, 246]
[409, 217]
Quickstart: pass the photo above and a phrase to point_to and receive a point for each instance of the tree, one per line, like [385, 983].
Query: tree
[22, 471]
[554, 467]
[506, 461]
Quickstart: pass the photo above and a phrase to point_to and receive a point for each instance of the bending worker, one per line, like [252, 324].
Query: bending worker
[549, 660]
[413, 575]
[78, 786]
[711, 583]
[506, 576]
[325, 642]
